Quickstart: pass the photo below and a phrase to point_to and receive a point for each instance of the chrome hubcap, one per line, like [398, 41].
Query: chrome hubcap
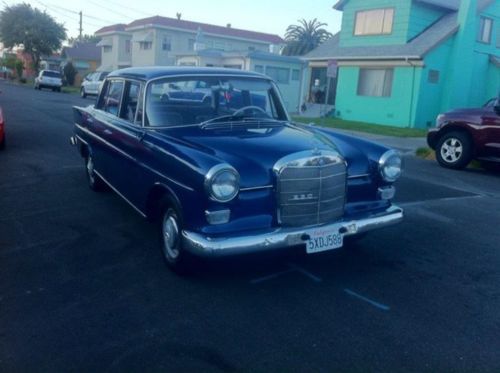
[90, 170]
[451, 150]
[170, 231]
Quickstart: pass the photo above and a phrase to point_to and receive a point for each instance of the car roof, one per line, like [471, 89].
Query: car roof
[51, 71]
[148, 73]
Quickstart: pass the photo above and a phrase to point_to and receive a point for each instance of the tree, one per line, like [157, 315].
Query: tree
[70, 73]
[85, 39]
[304, 37]
[15, 64]
[36, 31]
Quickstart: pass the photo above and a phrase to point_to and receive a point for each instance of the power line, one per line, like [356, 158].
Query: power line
[109, 9]
[130, 8]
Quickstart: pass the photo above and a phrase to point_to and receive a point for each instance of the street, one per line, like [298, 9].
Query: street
[83, 286]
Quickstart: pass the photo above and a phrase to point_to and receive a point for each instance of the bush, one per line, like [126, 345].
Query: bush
[70, 73]
[19, 66]
[22, 80]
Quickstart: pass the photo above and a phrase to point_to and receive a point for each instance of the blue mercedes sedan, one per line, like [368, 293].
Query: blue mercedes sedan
[213, 157]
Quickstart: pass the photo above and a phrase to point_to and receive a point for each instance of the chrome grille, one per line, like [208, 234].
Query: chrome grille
[311, 188]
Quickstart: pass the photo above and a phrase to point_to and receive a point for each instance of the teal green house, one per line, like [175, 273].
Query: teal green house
[402, 62]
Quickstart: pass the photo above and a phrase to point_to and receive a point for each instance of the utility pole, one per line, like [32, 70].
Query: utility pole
[81, 27]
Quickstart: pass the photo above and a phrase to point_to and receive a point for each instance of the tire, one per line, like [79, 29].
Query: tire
[454, 150]
[58, 89]
[170, 237]
[82, 93]
[94, 181]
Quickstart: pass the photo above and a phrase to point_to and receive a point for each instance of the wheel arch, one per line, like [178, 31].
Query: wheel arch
[160, 192]
[457, 127]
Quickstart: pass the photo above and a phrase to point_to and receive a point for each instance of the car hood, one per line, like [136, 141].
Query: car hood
[254, 151]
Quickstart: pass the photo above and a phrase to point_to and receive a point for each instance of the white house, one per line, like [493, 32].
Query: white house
[158, 41]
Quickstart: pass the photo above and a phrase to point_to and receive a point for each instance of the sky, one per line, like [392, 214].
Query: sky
[257, 15]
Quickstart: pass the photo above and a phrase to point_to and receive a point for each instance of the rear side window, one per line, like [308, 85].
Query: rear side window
[132, 104]
[110, 102]
[51, 74]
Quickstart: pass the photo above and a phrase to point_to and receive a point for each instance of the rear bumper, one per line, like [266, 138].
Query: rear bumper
[282, 238]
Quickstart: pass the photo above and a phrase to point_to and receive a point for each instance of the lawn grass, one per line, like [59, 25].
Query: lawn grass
[364, 127]
[72, 90]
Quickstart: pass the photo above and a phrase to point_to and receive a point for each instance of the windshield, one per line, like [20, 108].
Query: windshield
[197, 100]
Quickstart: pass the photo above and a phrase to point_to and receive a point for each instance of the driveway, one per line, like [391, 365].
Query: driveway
[83, 286]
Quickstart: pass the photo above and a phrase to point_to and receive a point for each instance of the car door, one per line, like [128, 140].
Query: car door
[129, 173]
[491, 124]
[103, 126]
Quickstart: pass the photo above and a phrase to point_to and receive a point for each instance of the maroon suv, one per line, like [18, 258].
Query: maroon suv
[465, 134]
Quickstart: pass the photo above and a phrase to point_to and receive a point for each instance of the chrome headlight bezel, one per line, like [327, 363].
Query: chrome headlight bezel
[390, 158]
[211, 178]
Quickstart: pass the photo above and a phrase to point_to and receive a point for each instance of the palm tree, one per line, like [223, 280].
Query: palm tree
[304, 37]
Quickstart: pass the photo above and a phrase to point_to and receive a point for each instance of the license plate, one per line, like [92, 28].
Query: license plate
[324, 239]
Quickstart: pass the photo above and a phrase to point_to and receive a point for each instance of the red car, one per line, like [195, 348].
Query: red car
[2, 131]
[465, 134]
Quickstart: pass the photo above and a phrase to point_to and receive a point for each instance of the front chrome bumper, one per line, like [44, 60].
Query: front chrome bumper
[281, 238]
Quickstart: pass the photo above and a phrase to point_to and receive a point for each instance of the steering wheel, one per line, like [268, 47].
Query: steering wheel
[254, 108]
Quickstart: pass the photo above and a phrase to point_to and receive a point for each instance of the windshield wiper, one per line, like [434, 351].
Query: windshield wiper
[233, 118]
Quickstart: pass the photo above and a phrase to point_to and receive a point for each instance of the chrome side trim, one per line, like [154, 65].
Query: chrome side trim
[99, 138]
[82, 140]
[360, 176]
[251, 189]
[121, 195]
[126, 155]
[282, 238]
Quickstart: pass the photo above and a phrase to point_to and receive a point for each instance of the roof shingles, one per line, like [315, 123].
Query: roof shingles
[194, 26]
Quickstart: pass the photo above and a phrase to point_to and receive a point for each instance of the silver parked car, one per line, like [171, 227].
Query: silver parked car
[92, 83]
[49, 79]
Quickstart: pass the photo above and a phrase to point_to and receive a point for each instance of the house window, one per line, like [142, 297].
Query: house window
[237, 67]
[485, 28]
[145, 45]
[219, 45]
[375, 82]
[107, 48]
[259, 69]
[374, 22]
[278, 74]
[191, 44]
[295, 74]
[166, 43]
[433, 76]
[251, 49]
[127, 46]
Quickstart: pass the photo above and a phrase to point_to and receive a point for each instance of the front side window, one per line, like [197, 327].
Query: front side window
[278, 74]
[375, 82]
[110, 102]
[485, 28]
[107, 48]
[128, 46]
[191, 101]
[374, 22]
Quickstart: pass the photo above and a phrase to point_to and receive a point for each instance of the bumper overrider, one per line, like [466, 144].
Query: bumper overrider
[282, 238]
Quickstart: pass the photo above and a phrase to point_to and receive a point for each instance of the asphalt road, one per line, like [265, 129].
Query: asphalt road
[83, 286]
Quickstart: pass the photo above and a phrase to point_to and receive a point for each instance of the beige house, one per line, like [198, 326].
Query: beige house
[159, 40]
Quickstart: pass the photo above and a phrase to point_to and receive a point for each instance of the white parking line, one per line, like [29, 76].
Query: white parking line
[269, 277]
[432, 215]
[295, 267]
[447, 199]
[372, 302]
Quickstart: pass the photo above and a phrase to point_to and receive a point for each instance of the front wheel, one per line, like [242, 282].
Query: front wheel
[454, 150]
[82, 93]
[176, 258]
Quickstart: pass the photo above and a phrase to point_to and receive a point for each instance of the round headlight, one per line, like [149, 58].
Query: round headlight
[390, 166]
[222, 183]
